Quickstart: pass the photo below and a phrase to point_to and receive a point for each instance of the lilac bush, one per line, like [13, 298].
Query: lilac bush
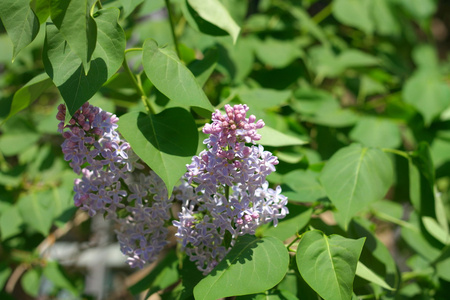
[223, 192]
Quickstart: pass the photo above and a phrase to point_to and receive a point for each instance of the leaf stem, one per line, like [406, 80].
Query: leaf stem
[137, 84]
[227, 100]
[132, 49]
[172, 27]
[396, 221]
[395, 151]
[321, 15]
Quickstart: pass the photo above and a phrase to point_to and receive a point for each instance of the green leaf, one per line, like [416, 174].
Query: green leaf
[427, 93]
[376, 132]
[295, 221]
[10, 222]
[375, 253]
[364, 272]
[308, 24]
[128, 6]
[166, 142]
[20, 23]
[13, 143]
[356, 176]
[305, 186]
[259, 99]
[163, 275]
[202, 69]
[420, 9]
[275, 138]
[328, 264]
[277, 53]
[55, 274]
[31, 282]
[420, 241]
[66, 70]
[355, 13]
[435, 229]
[5, 271]
[172, 78]
[384, 17]
[28, 93]
[36, 210]
[265, 261]
[41, 8]
[74, 21]
[214, 12]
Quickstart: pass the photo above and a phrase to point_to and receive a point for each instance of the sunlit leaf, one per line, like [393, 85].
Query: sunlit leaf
[265, 261]
[328, 264]
[172, 78]
[215, 12]
[356, 176]
[364, 272]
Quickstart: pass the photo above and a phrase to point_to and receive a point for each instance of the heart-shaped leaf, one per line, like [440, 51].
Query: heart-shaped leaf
[328, 264]
[66, 69]
[74, 21]
[264, 261]
[166, 142]
[356, 176]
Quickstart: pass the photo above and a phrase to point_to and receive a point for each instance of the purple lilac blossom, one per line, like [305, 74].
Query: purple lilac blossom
[115, 183]
[225, 189]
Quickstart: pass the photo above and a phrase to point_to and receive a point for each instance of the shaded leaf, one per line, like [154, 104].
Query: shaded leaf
[264, 260]
[66, 70]
[164, 274]
[202, 69]
[20, 23]
[28, 93]
[36, 210]
[55, 274]
[31, 282]
[10, 222]
[166, 142]
[305, 186]
[5, 271]
[74, 21]
[328, 264]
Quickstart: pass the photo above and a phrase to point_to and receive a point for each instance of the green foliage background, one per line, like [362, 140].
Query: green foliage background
[356, 98]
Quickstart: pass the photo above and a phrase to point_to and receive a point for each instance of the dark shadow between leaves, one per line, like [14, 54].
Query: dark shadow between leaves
[173, 131]
[356, 230]
[244, 250]
[79, 88]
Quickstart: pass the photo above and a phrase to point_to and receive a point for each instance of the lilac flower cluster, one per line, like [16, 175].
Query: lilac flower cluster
[115, 183]
[225, 189]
